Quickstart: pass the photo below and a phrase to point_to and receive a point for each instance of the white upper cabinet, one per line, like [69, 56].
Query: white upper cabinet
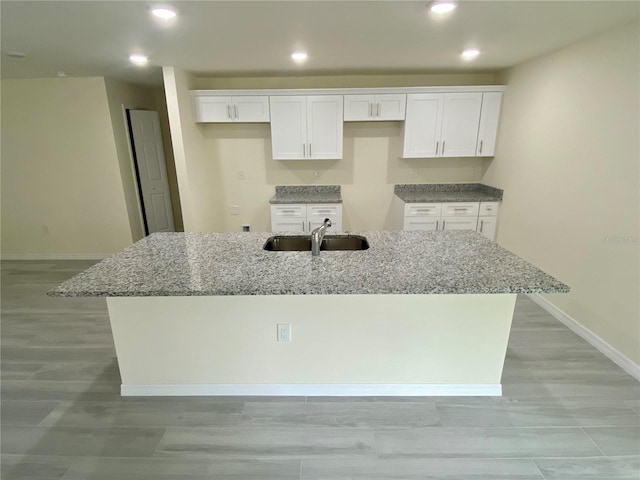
[442, 125]
[306, 127]
[366, 108]
[224, 109]
[460, 124]
[423, 125]
[288, 127]
[488, 130]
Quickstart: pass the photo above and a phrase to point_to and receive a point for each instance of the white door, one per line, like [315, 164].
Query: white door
[488, 130]
[487, 227]
[152, 171]
[288, 127]
[213, 109]
[250, 108]
[460, 123]
[358, 107]
[422, 126]
[390, 106]
[324, 126]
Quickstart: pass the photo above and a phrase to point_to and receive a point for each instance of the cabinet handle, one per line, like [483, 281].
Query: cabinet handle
[443, 224]
[371, 110]
[437, 223]
[303, 225]
[481, 225]
[460, 209]
[443, 144]
[437, 145]
[304, 150]
[235, 108]
[378, 110]
[309, 150]
[229, 112]
[309, 227]
[288, 211]
[480, 147]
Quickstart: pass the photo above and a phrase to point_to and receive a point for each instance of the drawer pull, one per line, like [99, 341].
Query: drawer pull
[481, 225]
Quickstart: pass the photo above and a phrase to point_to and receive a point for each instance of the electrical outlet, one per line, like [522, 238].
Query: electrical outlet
[284, 332]
[246, 228]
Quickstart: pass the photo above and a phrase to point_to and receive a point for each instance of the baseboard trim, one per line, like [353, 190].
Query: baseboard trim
[601, 345]
[55, 256]
[314, 390]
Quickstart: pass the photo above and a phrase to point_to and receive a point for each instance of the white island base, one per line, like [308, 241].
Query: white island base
[341, 345]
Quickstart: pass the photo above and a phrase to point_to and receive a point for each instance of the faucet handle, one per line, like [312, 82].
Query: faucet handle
[327, 222]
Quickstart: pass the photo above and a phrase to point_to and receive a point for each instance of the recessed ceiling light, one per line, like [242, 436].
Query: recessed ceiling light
[299, 57]
[443, 7]
[470, 53]
[15, 54]
[62, 73]
[138, 59]
[164, 12]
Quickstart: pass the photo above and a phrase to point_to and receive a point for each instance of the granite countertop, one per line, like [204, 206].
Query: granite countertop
[306, 194]
[192, 264]
[447, 192]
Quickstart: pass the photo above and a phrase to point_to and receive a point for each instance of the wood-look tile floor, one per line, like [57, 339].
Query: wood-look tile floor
[568, 413]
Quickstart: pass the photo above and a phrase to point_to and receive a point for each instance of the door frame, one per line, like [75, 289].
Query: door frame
[134, 168]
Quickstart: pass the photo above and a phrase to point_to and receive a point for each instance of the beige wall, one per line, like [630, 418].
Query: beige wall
[568, 159]
[61, 186]
[127, 95]
[367, 172]
[198, 172]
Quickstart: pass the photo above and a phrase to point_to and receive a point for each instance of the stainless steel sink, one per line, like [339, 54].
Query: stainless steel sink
[287, 243]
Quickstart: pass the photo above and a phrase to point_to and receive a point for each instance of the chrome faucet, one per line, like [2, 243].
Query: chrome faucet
[317, 235]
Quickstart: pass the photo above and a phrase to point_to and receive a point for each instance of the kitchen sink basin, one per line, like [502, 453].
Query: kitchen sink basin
[288, 243]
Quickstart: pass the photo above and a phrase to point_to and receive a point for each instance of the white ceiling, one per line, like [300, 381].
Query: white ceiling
[95, 38]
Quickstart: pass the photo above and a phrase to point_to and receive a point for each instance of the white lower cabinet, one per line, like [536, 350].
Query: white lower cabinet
[304, 218]
[488, 219]
[452, 216]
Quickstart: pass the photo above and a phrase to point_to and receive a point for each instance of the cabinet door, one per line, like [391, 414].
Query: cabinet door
[324, 126]
[390, 106]
[488, 130]
[459, 223]
[426, 224]
[422, 126]
[212, 109]
[460, 124]
[358, 108]
[487, 227]
[288, 127]
[251, 108]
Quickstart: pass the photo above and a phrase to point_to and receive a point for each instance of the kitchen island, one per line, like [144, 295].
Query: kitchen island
[418, 313]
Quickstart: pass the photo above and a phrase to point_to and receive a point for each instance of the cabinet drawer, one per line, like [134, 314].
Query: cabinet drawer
[489, 209]
[327, 210]
[422, 210]
[289, 211]
[460, 209]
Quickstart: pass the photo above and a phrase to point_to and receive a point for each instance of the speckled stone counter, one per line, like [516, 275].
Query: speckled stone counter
[447, 192]
[212, 264]
[289, 194]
